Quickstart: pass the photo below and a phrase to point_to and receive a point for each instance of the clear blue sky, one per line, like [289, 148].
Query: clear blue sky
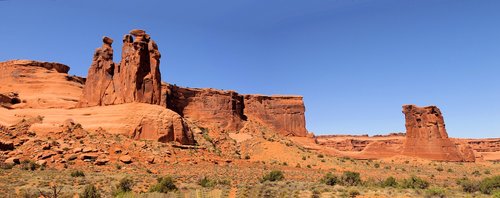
[354, 61]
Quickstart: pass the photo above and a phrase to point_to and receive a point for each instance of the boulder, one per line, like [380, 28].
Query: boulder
[426, 136]
[125, 159]
[101, 161]
[88, 156]
[12, 160]
[41, 162]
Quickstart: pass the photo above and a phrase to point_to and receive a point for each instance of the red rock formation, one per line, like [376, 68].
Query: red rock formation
[228, 110]
[135, 79]
[426, 136]
[208, 107]
[285, 114]
[34, 84]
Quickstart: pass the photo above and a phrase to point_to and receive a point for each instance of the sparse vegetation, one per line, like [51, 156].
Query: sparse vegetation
[164, 185]
[329, 179]
[490, 184]
[415, 183]
[77, 173]
[435, 192]
[90, 191]
[390, 182]
[350, 178]
[206, 182]
[275, 175]
[29, 165]
[125, 185]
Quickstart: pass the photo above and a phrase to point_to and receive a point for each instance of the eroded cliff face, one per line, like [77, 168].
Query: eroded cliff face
[136, 78]
[284, 114]
[426, 136]
[228, 110]
[208, 107]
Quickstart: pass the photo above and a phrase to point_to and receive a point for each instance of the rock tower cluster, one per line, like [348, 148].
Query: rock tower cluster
[136, 78]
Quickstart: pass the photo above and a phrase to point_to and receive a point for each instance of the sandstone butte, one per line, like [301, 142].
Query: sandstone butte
[426, 136]
[130, 98]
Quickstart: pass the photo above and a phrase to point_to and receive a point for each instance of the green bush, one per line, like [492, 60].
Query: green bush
[490, 185]
[390, 182]
[435, 192]
[206, 182]
[415, 183]
[164, 185]
[350, 178]
[77, 173]
[90, 191]
[275, 175]
[329, 179]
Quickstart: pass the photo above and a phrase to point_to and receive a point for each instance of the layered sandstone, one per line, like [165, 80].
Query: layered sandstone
[35, 84]
[209, 107]
[284, 114]
[229, 110]
[426, 136]
[136, 78]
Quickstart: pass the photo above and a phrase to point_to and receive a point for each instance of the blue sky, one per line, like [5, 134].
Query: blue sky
[356, 62]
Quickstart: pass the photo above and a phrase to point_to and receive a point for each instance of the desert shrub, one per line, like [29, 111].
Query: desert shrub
[275, 175]
[77, 173]
[476, 173]
[415, 183]
[125, 185]
[468, 186]
[320, 156]
[29, 165]
[390, 182]
[487, 172]
[350, 178]
[164, 185]
[440, 169]
[304, 158]
[206, 182]
[490, 184]
[90, 191]
[329, 179]
[377, 165]
[247, 157]
[354, 193]
[435, 192]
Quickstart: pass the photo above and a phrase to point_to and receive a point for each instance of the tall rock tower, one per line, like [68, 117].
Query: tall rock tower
[426, 136]
[136, 78]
